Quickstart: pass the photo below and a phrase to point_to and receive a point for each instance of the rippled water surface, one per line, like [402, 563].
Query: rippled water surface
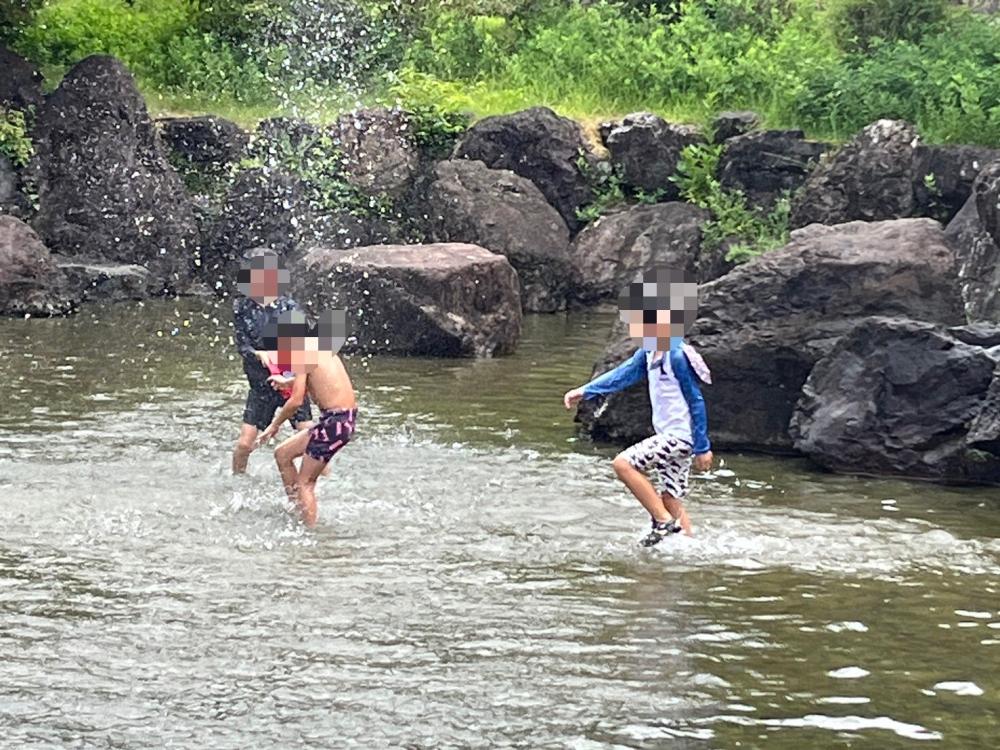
[474, 580]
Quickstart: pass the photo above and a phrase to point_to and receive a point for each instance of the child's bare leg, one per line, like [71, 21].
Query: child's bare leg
[244, 447]
[676, 509]
[306, 497]
[285, 455]
[641, 487]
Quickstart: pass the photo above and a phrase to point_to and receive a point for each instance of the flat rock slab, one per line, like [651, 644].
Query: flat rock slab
[441, 300]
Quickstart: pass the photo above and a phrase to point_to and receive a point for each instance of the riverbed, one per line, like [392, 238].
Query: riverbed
[474, 579]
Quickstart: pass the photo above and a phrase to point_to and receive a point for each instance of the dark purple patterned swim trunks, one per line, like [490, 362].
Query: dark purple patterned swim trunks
[331, 433]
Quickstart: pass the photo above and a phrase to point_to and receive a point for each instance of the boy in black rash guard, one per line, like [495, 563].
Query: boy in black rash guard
[261, 281]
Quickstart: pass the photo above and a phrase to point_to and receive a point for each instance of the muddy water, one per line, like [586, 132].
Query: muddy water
[474, 580]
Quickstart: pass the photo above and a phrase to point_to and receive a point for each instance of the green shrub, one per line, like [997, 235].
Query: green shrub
[747, 232]
[859, 25]
[14, 16]
[606, 187]
[15, 143]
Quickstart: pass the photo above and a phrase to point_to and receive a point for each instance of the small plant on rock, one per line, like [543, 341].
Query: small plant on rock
[15, 143]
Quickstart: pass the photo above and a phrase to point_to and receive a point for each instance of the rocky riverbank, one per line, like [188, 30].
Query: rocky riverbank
[889, 285]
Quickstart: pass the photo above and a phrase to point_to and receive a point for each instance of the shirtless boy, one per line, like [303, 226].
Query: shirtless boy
[311, 352]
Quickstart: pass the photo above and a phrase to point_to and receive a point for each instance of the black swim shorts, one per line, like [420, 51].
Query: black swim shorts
[262, 403]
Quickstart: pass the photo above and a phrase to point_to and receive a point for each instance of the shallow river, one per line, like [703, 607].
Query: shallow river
[474, 579]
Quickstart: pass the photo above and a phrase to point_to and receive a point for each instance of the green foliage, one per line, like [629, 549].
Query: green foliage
[747, 232]
[14, 16]
[606, 186]
[318, 162]
[860, 25]
[15, 143]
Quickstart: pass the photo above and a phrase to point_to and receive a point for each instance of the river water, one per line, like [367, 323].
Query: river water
[474, 580]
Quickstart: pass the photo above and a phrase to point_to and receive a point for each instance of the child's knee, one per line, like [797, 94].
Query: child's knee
[621, 465]
[245, 444]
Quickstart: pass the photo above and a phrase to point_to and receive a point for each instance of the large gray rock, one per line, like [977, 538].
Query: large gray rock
[20, 84]
[442, 300]
[869, 179]
[944, 177]
[380, 156]
[646, 148]
[901, 397]
[978, 258]
[506, 214]
[763, 325]
[30, 282]
[767, 164]
[106, 191]
[540, 145]
[987, 194]
[728, 125]
[206, 143]
[609, 253]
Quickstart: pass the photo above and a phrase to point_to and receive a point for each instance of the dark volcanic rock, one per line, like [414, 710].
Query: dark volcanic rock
[944, 176]
[763, 325]
[506, 214]
[13, 201]
[538, 144]
[767, 164]
[978, 258]
[731, 124]
[646, 148]
[380, 156]
[869, 179]
[902, 397]
[987, 194]
[107, 282]
[208, 143]
[444, 300]
[20, 83]
[30, 282]
[106, 191]
[609, 253]
[264, 208]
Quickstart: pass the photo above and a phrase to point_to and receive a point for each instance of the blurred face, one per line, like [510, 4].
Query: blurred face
[264, 284]
[300, 354]
[659, 306]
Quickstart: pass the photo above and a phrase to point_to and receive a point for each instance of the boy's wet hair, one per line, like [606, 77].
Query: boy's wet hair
[659, 289]
[261, 259]
[329, 329]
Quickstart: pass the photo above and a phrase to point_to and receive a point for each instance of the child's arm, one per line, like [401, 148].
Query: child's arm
[287, 411]
[696, 405]
[625, 375]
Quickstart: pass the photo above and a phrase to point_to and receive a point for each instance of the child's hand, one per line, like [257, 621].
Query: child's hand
[572, 398]
[278, 382]
[264, 357]
[267, 435]
[703, 462]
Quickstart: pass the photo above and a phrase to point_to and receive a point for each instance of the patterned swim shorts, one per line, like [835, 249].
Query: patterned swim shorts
[331, 433]
[670, 456]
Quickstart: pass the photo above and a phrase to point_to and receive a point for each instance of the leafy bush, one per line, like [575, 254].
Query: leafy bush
[15, 143]
[747, 232]
[606, 187]
[14, 16]
[859, 25]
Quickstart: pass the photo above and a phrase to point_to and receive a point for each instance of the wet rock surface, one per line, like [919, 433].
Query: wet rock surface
[106, 192]
[869, 179]
[507, 214]
[768, 164]
[540, 145]
[444, 300]
[897, 396]
[609, 253]
[646, 149]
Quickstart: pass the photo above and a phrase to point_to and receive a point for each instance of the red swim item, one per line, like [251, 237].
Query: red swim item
[278, 370]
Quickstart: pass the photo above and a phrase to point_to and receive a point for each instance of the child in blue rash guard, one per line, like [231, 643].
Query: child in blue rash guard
[672, 369]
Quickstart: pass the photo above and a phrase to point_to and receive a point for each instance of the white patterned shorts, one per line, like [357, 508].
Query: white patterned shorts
[669, 456]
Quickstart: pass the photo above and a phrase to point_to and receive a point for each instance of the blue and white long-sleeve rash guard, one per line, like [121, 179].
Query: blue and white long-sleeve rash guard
[678, 406]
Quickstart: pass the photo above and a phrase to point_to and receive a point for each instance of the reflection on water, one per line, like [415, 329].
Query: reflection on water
[474, 580]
